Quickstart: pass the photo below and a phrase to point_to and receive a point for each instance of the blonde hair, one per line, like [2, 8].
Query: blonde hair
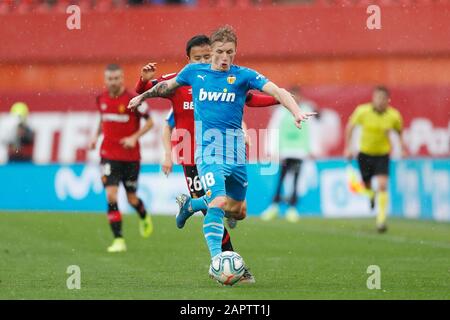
[224, 34]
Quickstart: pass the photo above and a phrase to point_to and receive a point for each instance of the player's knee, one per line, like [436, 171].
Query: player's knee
[111, 196]
[383, 186]
[132, 199]
[238, 211]
[240, 215]
[218, 202]
[382, 183]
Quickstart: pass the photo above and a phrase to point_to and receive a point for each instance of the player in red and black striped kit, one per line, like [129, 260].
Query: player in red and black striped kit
[120, 152]
[181, 118]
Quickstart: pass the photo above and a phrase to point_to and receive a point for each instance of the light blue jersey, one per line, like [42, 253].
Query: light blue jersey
[219, 99]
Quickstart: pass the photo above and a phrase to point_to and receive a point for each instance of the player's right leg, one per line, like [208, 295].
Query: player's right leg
[218, 193]
[197, 202]
[213, 181]
[366, 167]
[110, 179]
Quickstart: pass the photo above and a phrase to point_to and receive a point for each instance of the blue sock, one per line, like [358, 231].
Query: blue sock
[213, 230]
[199, 204]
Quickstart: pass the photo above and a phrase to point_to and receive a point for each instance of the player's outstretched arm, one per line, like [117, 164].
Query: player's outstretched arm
[286, 99]
[162, 89]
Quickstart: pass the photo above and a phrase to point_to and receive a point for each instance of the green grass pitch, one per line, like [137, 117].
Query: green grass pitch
[314, 259]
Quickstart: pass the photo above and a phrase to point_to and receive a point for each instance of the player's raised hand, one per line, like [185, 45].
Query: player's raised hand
[148, 71]
[135, 102]
[301, 117]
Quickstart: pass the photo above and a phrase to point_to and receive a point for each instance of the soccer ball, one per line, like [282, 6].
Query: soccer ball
[227, 268]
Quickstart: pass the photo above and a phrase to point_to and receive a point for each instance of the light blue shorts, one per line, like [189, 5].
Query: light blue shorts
[224, 180]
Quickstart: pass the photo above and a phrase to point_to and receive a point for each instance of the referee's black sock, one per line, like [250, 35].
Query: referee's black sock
[140, 209]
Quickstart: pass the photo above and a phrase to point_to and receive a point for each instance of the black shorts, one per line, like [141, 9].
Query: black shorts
[114, 172]
[193, 181]
[371, 166]
[292, 164]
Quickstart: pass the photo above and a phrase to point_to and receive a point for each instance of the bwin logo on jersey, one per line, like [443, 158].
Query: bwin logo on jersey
[216, 96]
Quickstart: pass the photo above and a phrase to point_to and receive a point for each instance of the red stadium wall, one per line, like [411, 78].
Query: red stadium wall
[85, 77]
[305, 45]
[327, 50]
[269, 32]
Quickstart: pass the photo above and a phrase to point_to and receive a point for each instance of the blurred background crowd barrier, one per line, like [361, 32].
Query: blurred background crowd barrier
[325, 47]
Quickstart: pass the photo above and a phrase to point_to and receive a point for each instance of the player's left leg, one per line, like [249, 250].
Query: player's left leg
[213, 227]
[111, 175]
[130, 181]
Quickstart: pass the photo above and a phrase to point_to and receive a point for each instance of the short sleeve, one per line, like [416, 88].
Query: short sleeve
[184, 77]
[355, 117]
[256, 80]
[170, 119]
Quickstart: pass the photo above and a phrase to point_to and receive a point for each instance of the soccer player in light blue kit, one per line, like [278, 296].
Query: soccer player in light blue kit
[219, 91]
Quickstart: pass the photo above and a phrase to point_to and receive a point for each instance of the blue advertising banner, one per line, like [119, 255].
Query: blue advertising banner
[419, 188]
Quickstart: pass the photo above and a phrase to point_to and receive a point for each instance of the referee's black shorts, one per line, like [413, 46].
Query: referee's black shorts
[371, 166]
